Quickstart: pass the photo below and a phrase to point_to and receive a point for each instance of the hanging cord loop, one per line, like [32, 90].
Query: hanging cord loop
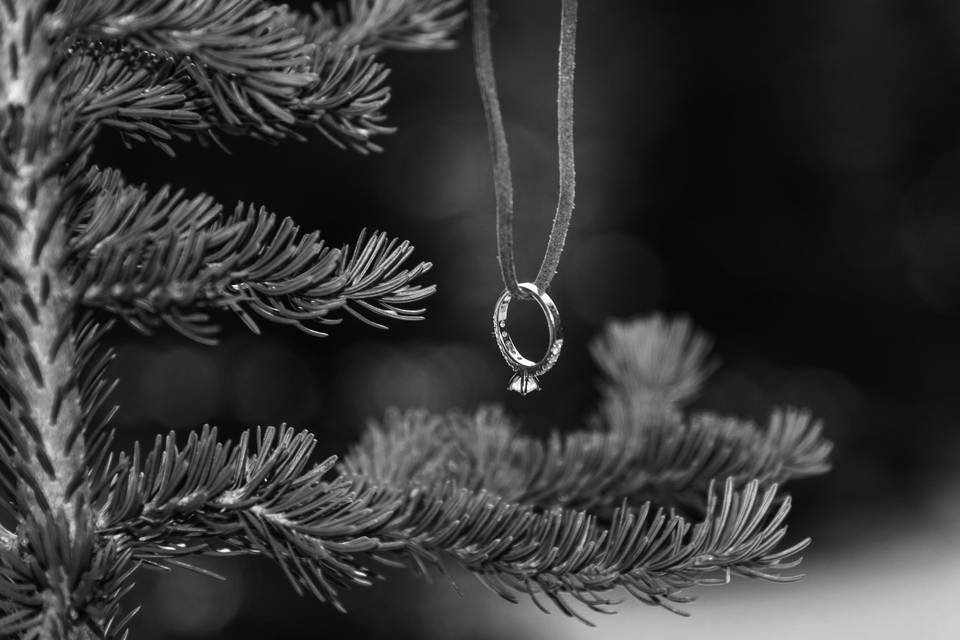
[502, 177]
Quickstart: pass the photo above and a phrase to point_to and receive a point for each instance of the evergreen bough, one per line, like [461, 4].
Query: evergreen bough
[649, 499]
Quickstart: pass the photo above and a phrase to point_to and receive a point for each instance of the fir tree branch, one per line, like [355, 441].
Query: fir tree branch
[509, 508]
[670, 464]
[651, 554]
[217, 497]
[249, 38]
[466, 487]
[641, 447]
[164, 258]
[207, 28]
[245, 67]
[41, 445]
[211, 496]
[56, 581]
[653, 366]
[58, 585]
[342, 100]
[134, 91]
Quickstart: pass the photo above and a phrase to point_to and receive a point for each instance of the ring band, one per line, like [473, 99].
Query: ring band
[525, 370]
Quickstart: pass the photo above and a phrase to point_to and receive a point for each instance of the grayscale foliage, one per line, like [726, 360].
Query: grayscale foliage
[165, 258]
[648, 498]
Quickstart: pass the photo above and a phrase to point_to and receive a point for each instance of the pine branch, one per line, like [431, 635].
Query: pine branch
[641, 447]
[342, 100]
[242, 67]
[507, 507]
[467, 488]
[561, 553]
[25, 493]
[134, 91]
[207, 28]
[653, 366]
[670, 464]
[41, 450]
[215, 497]
[157, 71]
[242, 37]
[63, 585]
[166, 259]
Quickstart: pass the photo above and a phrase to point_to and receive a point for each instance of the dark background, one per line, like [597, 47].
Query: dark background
[784, 173]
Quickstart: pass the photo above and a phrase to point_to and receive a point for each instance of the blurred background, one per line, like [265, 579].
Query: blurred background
[786, 174]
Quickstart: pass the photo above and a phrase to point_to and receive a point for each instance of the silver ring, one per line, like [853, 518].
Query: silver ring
[525, 370]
